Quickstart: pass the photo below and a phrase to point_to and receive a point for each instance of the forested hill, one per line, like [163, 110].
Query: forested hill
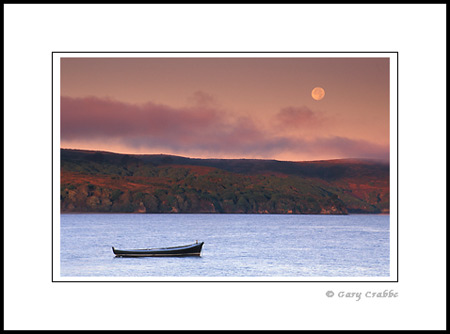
[107, 182]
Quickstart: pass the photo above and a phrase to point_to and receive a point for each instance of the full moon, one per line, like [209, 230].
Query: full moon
[318, 93]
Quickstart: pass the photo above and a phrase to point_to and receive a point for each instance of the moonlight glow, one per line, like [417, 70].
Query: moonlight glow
[318, 93]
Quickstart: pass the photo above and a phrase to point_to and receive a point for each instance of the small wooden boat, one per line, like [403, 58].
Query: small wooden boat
[187, 250]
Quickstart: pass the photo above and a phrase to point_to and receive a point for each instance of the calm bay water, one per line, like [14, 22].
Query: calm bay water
[235, 245]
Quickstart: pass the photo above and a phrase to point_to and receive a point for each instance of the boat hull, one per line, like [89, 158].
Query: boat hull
[188, 250]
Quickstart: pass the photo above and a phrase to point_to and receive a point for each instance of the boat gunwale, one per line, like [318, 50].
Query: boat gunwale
[163, 249]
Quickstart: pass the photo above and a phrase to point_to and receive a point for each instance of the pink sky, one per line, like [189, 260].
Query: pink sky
[227, 107]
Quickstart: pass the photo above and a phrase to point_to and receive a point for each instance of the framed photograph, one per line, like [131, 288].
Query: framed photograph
[276, 166]
[233, 166]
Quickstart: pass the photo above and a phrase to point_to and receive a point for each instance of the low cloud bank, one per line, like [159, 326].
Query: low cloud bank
[202, 127]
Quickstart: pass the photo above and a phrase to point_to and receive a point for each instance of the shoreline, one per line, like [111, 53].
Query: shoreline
[218, 213]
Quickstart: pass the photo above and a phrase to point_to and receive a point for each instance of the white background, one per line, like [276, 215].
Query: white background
[32, 32]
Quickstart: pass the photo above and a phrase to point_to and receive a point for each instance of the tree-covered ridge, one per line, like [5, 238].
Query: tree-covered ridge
[106, 182]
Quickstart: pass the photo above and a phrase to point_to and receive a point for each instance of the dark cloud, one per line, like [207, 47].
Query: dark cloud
[204, 100]
[199, 128]
[93, 118]
[298, 117]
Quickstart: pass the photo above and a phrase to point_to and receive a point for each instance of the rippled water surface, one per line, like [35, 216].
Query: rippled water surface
[235, 245]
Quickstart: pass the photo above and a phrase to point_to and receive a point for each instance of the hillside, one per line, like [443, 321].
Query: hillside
[108, 182]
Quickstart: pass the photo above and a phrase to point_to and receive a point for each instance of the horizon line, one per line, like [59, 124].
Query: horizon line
[212, 158]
